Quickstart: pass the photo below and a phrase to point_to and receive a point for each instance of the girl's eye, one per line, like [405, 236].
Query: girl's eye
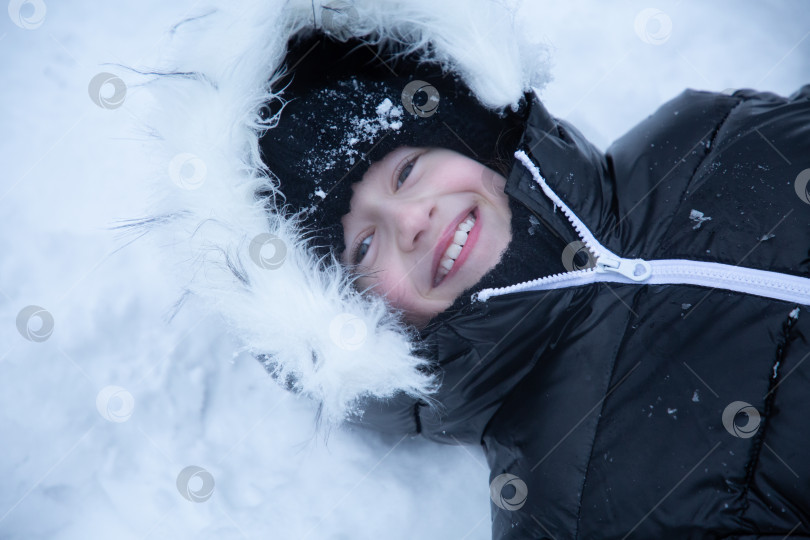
[361, 249]
[403, 173]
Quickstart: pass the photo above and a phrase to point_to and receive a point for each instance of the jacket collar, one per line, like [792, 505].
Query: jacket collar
[573, 167]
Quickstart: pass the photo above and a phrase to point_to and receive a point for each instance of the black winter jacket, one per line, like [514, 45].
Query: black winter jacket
[671, 403]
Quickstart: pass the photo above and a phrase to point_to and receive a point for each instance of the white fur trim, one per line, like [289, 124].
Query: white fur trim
[338, 345]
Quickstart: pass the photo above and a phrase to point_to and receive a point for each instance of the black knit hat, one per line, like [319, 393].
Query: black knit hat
[347, 105]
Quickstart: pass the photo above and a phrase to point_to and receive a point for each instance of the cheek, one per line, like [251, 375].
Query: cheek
[491, 183]
[395, 288]
[475, 178]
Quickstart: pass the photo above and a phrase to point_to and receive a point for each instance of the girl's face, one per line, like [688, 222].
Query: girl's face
[417, 213]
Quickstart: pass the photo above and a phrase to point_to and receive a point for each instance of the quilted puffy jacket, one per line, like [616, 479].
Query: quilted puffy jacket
[659, 389]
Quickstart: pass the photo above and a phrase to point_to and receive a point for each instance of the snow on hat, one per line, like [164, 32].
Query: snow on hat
[343, 107]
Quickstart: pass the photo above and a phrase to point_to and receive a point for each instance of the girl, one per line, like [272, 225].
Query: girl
[623, 332]
[641, 391]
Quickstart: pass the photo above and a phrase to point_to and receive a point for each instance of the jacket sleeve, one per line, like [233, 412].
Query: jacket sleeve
[398, 415]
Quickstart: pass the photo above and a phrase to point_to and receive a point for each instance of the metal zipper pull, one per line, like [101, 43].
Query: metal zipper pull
[635, 269]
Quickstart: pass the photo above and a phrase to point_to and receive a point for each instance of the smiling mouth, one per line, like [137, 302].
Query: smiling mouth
[453, 251]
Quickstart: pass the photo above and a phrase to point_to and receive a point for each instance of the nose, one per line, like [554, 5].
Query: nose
[412, 220]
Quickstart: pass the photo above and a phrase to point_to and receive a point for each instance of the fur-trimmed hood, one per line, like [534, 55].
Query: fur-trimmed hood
[252, 266]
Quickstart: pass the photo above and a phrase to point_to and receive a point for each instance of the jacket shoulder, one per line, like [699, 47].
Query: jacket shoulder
[655, 161]
[670, 143]
[691, 115]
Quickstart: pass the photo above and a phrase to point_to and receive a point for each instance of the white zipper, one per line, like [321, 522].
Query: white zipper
[613, 268]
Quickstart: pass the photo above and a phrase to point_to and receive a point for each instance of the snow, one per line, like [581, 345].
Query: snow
[384, 107]
[100, 418]
[534, 224]
[697, 217]
[359, 128]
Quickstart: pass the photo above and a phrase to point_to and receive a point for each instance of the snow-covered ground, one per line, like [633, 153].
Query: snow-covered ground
[100, 419]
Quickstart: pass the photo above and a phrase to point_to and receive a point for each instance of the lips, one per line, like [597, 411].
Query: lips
[444, 242]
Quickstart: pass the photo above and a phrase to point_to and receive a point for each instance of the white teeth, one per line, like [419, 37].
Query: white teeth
[453, 251]
[467, 224]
